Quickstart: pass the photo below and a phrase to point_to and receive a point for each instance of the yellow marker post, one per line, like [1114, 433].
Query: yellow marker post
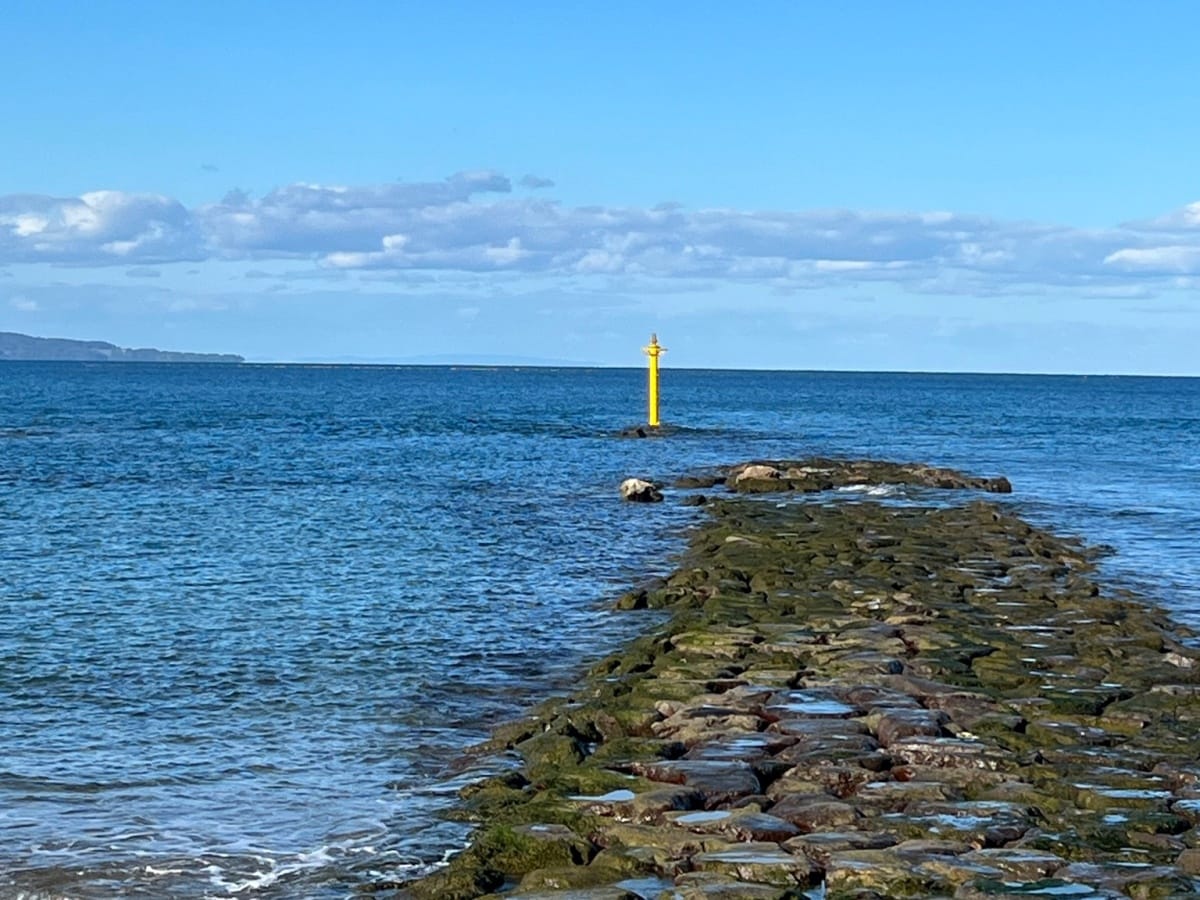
[653, 351]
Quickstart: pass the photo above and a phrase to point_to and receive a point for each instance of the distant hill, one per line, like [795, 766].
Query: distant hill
[15, 346]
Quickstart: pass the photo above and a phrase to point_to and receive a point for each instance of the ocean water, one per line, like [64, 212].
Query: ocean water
[250, 616]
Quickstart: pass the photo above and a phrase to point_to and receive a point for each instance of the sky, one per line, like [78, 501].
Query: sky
[927, 186]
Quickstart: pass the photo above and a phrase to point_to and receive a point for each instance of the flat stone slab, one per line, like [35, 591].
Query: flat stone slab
[1131, 880]
[898, 724]
[649, 806]
[720, 782]
[1045, 889]
[808, 705]
[715, 886]
[760, 862]
[738, 825]
[740, 746]
[898, 794]
[885, 872]
[949, 753]
[820, 844]
[1020, 864]
[815, 813]
[596, 893]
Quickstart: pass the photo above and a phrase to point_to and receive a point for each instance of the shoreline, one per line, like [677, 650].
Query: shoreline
[863, 699]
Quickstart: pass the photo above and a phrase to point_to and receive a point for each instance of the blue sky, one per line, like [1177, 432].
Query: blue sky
[923, 186]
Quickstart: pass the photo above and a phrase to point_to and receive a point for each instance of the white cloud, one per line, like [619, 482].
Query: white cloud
[472, 223]
[96, 228]
[1176, 259]
[28, 224]
[23, 304]
[1184, 218]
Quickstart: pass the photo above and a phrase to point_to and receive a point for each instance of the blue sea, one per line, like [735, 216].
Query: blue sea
[251, 616]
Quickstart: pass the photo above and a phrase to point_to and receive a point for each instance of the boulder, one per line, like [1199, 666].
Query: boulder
[757, 471]
[635, 490]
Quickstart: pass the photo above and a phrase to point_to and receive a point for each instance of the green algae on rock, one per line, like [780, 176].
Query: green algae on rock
[891, 700]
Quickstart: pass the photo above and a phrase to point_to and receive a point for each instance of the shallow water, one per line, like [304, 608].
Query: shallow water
[250, 615]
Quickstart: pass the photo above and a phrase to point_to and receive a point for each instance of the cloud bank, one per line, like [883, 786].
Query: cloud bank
[472, 222]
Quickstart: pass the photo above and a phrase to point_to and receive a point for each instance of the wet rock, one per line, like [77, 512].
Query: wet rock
[1189, 861]
[719, 782]
[1063, 731]
[976, 783]
[751, 476]
[1046, 889]
[649, 806]
[737, 825]
[717, 642]
[1019, 864]
[930, 847]
[763, 863]
[878, 699]
[896, 724]
[1133, 881]
[823, 776]
[712, 886]
[1105, 797]
[573, 893]
[978, 823]
[820, 844]
[636, 490]
[809, 812]
[967, 708]
[864, 665]
[895, 795]
[460, 882]
[523, 847]
[957, 870]
[949, 752]
[740, 745]
[807, 704]
[885, 872]
[693, 726]
[808, 733]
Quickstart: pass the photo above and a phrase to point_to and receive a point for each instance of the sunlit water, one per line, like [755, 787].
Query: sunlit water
[251, 615]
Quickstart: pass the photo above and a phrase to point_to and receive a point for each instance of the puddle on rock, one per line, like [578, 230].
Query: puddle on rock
[617, 796]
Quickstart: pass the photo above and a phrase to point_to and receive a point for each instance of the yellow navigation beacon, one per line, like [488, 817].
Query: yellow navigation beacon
[653, 352]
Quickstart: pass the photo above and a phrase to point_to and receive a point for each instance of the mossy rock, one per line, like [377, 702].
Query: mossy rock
[547, 754]
[516, 850]
[607, 868]
[465, 880]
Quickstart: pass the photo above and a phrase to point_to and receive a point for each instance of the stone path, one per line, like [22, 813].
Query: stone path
[856, 700]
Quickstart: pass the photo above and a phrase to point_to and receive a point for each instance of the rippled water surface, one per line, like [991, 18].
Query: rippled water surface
[250, 615]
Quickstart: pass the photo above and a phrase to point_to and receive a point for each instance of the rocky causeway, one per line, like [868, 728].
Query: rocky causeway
[851, 696]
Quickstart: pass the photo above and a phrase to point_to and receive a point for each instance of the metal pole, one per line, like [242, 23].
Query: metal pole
[653, 351]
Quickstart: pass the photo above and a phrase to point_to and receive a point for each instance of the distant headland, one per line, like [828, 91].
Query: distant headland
[15, 346]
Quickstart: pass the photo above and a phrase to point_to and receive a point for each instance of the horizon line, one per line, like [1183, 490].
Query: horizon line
[551, 366]
[316, 363]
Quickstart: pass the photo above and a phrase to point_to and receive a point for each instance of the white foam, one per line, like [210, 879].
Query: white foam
[871, 490]
[154, 870]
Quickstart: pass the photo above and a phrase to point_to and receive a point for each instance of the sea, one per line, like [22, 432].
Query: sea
[252, 616]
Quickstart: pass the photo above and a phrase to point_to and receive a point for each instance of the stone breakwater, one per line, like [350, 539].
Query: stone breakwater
[858, 700]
